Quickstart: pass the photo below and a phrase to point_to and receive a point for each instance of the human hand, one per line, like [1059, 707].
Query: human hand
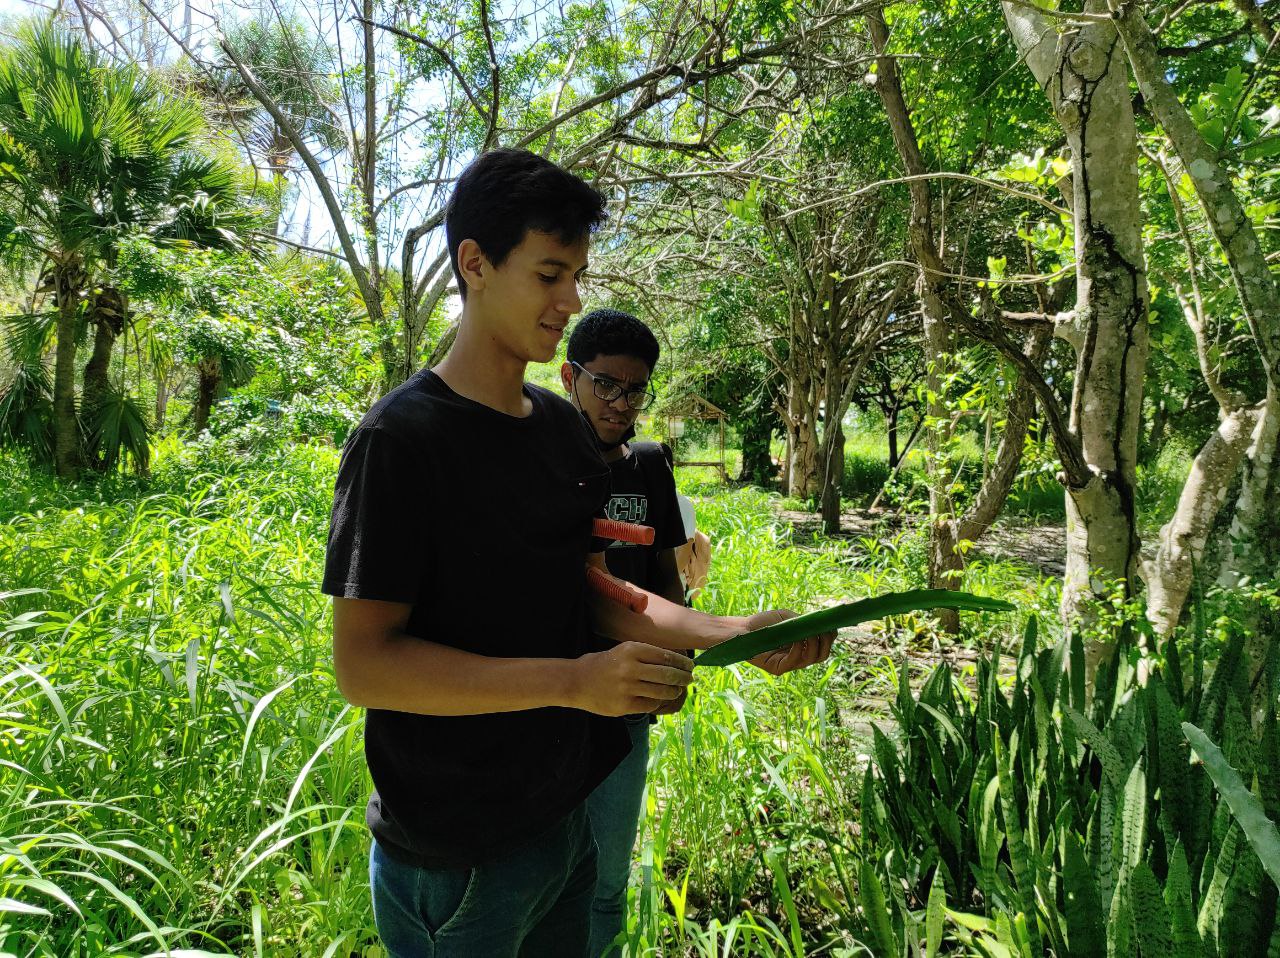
[629, 678]
[797, 655]
[673, 706]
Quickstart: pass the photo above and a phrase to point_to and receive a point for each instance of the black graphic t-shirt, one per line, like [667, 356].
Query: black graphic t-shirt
[482, 523]
[642, 490]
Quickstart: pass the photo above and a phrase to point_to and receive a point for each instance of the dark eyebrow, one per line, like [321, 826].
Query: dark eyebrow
[644, 384]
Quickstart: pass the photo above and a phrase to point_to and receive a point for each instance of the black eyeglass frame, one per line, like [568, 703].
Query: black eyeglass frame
[606, 390]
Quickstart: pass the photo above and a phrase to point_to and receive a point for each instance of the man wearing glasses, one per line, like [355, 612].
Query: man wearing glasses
[611, 357]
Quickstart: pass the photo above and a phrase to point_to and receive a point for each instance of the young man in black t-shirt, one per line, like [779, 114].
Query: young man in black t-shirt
[457, 549]
[610, 362]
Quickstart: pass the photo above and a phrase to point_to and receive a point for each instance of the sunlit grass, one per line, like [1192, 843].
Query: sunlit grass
[178, 770]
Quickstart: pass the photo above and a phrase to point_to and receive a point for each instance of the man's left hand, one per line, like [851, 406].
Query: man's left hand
[797, 655]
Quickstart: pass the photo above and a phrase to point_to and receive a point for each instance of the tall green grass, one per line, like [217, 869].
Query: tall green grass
[178, 770]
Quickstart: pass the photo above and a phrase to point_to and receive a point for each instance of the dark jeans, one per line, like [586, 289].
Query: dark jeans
[535, 903]
[614, 809]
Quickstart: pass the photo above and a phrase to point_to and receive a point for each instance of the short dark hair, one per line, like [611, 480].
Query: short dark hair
[611, 332]
[503, 194]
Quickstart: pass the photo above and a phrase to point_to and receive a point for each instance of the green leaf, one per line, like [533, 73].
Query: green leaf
[873, 906]
[935, 914]
[1210, 917]
[1021, 858]
[750, 644]
[1085, 934]
[1134, 817]
[1112, 764]
[1150, 915]
[1244, 805]
[1177, 897]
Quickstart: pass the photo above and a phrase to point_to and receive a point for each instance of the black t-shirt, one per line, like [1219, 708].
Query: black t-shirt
[482, 522]
[642, 490]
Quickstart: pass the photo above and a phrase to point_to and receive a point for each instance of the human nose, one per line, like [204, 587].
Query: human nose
[572, 302]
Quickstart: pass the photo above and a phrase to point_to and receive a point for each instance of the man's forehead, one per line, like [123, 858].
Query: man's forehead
[546, 249]
[615, 367]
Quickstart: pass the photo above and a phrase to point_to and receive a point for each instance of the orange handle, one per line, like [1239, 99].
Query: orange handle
[622, 531]
[616, 590]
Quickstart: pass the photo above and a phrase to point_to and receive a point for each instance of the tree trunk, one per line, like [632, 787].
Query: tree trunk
[833, 477]
[1182, 541]
[162, 398]
[67, 451]
[106, 318]
[1254, 536]
[1253, 546]
[210, 371]
[756, 465]
[1082, 75]
[946, 564]
[892, 424]
[943, 558]
[802, 430]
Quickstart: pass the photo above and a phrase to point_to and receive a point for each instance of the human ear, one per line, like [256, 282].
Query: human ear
[472, 264]
[566, 377]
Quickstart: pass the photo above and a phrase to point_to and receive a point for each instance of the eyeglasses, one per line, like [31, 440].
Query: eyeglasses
[607, 390]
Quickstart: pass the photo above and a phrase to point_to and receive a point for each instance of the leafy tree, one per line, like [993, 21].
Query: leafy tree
[294, 67]
[91, 152]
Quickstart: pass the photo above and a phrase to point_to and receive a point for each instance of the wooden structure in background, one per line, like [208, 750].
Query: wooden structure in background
[693, 406]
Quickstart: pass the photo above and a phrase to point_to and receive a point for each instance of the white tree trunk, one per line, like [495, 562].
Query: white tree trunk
[1081, 72]
[1169, 573]
[1253, 550]
[1255, 525]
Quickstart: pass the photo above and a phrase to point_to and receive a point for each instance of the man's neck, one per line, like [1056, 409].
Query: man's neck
[479, 369]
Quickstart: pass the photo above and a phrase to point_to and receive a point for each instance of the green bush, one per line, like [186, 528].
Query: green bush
[1033, 817]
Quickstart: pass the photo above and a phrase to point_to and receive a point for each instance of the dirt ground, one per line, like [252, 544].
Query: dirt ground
[1042, 548]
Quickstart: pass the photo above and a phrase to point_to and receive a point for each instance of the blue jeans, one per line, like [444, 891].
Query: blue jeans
[614, 809]
[534, 903]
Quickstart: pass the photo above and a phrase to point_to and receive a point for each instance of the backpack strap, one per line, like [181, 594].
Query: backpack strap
[656, 461]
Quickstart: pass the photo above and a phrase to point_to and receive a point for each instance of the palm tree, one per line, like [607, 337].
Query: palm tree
[91, 152]
[297, 71]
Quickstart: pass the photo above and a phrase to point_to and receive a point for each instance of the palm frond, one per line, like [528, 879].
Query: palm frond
[28, 336]
[117, 431]
[26, 410]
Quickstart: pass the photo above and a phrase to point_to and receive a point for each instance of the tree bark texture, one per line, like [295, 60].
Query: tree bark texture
[210, 377]
[1253, 547]
[833, 476]
[802, 432]
[1169, 573]
[68, 279]
[106, 317]
[1082, 73]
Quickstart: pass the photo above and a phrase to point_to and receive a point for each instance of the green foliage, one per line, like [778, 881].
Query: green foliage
[93, 153]
[117, 431]
[1244, 805]
[1100, 812]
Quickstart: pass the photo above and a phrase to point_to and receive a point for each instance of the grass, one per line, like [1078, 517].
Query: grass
[178, 770]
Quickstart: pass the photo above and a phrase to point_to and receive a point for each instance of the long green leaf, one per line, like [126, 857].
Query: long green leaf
[1085, 934]
[1150, 914]
[1177, 898]
[750, 644]
[873, 906]
[1244, 805]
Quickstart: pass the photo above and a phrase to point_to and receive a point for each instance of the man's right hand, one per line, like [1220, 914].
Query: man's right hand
[629, 678]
